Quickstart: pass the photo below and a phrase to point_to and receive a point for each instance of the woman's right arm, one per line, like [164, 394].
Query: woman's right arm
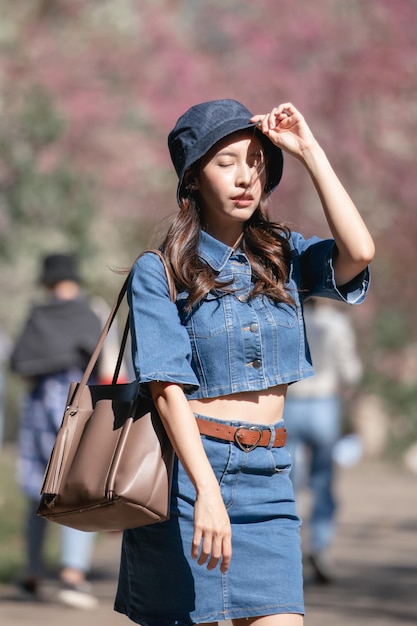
[212, 531]
[162, 359]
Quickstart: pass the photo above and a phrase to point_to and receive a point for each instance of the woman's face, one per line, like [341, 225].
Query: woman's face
[230, 182]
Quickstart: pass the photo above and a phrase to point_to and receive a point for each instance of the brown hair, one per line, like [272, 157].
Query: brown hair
[265, 243]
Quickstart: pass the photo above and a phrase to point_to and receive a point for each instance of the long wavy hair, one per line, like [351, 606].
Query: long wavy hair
[265, 243]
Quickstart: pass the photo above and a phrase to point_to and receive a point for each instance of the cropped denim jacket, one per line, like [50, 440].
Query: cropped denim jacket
[229, 343]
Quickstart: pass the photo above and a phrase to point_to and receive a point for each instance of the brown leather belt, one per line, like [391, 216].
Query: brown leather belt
[246, 438]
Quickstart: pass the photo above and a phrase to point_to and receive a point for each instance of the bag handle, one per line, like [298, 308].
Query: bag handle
[96, 353]
[172, 294]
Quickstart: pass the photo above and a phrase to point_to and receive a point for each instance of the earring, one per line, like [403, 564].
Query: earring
[192, 187]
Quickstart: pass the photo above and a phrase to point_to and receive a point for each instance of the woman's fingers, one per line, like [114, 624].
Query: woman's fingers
[212, 549]
[286, 128]
[208, 554]
[272, 120]
[212, 538]
[195, 546]
[226, 554]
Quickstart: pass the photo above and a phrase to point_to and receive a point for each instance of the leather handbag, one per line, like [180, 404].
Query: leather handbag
[111, 465]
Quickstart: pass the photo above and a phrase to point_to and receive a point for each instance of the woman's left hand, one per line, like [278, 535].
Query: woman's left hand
[287, 129]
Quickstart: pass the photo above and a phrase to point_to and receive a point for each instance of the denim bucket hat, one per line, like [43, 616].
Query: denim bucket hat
[203, 125]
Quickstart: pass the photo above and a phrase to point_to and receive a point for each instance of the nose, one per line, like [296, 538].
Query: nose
[244, 176]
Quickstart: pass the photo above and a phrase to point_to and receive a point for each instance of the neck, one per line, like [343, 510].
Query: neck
[238, 240]
[231, 239]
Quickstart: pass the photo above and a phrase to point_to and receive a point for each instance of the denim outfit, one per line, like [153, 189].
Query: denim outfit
[262, 344]
[228, 343]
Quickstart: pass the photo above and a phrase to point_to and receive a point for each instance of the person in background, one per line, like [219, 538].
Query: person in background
[52, 351]
[313, 417]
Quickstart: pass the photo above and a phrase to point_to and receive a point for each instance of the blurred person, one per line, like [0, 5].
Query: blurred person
[52, 351]
[217, 363]
[313, 417]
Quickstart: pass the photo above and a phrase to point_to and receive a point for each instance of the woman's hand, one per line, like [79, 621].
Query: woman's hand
[287, 129]
[212, 540]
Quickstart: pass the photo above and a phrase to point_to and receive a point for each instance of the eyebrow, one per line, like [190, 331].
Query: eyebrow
[225, 151]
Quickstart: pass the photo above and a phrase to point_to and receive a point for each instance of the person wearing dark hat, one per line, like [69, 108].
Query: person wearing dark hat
[57, 268]
[52, 351]
[217, 363]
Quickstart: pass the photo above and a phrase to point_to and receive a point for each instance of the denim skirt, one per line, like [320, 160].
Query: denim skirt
[161, 585]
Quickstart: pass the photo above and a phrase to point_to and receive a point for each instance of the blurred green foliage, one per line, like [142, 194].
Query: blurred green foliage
[42, 193]
[390, 331]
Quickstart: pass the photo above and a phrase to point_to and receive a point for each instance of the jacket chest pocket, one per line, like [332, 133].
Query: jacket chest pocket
[209, 319]
[283, 315]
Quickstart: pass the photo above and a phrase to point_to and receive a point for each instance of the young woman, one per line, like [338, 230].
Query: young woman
[217, 363]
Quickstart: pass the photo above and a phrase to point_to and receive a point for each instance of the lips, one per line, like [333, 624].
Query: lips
[244, 200]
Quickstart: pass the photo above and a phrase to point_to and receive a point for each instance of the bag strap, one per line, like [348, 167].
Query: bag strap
[172, 294]
[96, 353]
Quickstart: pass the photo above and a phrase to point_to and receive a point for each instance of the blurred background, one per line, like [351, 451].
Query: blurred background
[89, 91]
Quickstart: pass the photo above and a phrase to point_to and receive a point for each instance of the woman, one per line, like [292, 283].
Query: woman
[217, 363]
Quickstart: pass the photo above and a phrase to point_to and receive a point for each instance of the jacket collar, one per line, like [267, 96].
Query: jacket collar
[213, 251]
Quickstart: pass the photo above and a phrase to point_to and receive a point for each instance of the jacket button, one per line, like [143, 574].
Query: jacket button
[256, 364]
[254, 328]
[242, 298]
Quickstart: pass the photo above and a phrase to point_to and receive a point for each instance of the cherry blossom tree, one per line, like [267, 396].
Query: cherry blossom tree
[118, 74]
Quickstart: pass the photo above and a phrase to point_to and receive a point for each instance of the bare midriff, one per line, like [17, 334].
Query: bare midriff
[259, 407]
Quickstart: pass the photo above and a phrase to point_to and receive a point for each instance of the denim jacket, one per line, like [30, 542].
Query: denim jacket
[229, 343]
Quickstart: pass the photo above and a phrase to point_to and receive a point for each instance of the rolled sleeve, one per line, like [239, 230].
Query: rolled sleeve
[161, 348]
[315, 272]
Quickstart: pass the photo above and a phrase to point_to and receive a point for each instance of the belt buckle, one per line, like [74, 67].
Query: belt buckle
[243, 446]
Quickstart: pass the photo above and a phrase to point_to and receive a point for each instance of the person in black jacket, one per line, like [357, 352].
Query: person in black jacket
[52, 351]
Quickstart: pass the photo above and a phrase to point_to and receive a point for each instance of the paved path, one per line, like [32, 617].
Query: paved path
[376, 556]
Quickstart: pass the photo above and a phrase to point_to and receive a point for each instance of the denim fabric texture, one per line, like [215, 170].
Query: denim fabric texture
[161, 585]
[262, 344]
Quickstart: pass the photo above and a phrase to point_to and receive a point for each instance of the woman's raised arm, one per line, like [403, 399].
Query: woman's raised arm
[287, 128]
